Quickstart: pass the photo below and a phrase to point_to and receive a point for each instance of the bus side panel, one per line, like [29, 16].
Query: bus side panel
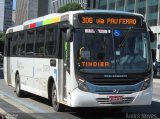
[21, 68]
[13, 69]
[25, 68]
[41, 76]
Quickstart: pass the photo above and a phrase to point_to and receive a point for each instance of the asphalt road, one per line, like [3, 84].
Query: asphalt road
[34, 107]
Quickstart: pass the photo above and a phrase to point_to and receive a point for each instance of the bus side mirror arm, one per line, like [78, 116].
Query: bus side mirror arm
[69, 34]
[151, 35]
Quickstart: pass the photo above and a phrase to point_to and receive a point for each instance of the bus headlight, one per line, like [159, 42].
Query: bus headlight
[146, 83]
[82, 84]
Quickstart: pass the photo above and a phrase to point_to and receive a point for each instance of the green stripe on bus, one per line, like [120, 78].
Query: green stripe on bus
[48, 21]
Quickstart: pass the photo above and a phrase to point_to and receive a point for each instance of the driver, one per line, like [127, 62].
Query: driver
[84, 53]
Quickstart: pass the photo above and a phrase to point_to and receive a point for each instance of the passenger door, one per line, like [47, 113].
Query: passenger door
[66, 64]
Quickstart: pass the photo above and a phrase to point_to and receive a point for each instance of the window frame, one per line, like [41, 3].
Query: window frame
[20, 43]
[16, 44]
[34, 35]
[56, 37]
[35, 40]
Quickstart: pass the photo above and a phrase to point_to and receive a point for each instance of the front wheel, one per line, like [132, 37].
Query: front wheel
[56, 105]
[19, 92]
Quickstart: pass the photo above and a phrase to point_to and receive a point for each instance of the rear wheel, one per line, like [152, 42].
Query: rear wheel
[18, 90]
[56, 105]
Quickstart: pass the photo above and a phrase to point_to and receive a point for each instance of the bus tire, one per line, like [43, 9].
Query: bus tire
[18, 90]
[56, 105]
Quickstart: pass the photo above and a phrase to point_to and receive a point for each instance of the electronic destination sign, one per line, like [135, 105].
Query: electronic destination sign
[110, 19]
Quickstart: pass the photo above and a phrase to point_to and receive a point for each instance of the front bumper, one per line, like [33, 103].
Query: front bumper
[87, 99]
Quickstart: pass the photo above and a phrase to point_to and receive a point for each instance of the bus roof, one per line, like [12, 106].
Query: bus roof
[58, 17]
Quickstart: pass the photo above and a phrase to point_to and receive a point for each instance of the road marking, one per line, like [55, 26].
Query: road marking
[22, 107]
[156, 100]
[5, 115]
[36, 111]
[2, 111]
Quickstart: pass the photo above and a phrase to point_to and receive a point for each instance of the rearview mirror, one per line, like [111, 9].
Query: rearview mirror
[69, 34]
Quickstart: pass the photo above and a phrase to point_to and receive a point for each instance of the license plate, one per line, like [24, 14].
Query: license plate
[115, 99]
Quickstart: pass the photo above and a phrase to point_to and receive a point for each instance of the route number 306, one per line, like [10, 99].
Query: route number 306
[87, 20]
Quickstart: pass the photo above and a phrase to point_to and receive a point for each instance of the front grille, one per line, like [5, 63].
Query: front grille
[114, 82]
[103, 101]
[111, 91]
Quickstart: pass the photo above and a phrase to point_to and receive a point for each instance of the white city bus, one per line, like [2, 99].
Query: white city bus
[86, 58]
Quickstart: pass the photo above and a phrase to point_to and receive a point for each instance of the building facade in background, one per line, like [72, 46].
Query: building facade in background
[30, 9]
[5, 14]
[1, 15]
[13, 17]
[56, 4]
[21, 11]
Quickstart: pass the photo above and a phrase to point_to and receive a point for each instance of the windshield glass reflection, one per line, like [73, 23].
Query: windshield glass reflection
[131, 48]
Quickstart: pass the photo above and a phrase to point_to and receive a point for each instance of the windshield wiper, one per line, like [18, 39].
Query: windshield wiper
[125, 37]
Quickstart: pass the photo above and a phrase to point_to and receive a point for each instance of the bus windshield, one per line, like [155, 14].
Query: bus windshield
[111, 51]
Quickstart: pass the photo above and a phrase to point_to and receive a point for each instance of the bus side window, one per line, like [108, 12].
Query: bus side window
[14, 44]
[51, 41]
[30, 43]
[39, 42]
[21, 45]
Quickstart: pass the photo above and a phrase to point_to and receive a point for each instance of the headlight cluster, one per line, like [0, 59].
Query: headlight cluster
[82, 84]
[146, 83]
